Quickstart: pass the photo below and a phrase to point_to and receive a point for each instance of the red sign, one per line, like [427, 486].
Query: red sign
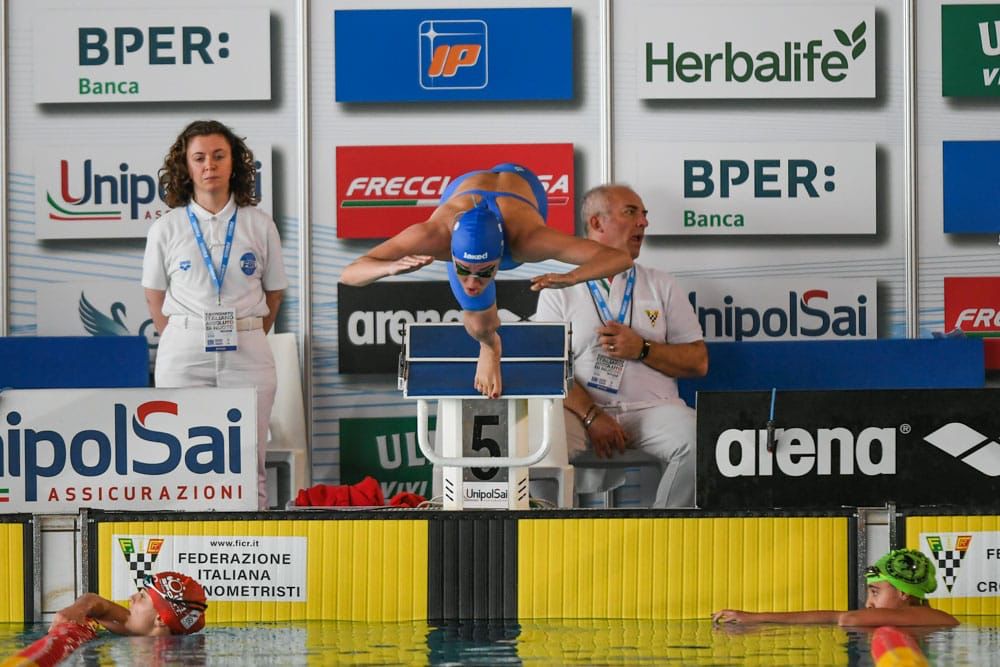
[382, 190]
[973, 305]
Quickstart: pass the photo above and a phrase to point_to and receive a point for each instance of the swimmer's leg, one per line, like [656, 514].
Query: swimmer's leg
[482, 325]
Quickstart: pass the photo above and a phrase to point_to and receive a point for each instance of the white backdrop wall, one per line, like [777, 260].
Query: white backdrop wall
[31, 263]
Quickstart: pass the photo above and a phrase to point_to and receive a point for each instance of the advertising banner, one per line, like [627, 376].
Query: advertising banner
[847, 448]
[708, 51]
[972, 305]
[785, 308]
[966, 563]
[372, 318]
[971, 180]
[382, 190]
[110, 190]
[136, 449]
[112, 54]
[240, 569]
[970, 50]
[438, 55]
[385, 448]
[739, 189]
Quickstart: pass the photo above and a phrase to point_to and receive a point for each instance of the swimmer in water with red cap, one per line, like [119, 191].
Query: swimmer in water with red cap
[169, 603]
[488, 221]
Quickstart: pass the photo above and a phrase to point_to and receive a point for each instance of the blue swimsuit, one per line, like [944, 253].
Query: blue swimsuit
[487, 297]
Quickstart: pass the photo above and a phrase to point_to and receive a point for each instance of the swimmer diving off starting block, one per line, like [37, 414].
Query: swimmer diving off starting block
[487, 221]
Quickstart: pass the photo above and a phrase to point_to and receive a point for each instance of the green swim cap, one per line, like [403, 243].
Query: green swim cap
[908, 570]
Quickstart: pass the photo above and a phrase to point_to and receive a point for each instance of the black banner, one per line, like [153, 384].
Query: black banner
[848, 448]
[371, 319]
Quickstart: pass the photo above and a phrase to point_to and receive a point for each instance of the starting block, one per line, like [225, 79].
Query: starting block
[484, 442]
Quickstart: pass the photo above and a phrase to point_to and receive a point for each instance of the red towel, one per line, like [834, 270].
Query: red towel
[406, 499]
[366, 493]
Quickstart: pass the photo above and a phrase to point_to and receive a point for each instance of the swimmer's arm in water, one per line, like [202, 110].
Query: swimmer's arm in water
[593, 260]
[921, 615]
[91, 606]
[803, 617]
[482, 325]
[413, 248]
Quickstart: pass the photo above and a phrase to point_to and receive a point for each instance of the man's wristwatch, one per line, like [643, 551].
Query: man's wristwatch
[645, 350]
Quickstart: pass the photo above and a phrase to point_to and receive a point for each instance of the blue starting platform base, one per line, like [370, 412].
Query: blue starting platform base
[439, 361]
[73, 362]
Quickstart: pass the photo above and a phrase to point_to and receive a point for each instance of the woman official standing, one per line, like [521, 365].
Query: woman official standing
[208, 180]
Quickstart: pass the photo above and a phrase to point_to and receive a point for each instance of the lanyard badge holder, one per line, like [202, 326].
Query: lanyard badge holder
[608, 371]
[220, 323]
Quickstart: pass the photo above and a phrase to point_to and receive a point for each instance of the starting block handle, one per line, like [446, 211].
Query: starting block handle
[427, 448]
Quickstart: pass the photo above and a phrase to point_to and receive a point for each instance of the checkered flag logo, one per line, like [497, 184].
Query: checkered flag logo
[653, 315]
[949, 560]
[140, 563]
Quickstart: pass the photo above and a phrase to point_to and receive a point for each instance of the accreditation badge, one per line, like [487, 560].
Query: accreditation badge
[220, 330]
[608, 373]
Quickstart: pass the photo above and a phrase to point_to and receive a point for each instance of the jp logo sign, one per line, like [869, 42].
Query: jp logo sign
[453, 54]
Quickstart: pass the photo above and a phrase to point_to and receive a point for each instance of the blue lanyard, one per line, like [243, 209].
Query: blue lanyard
[602, 305]
[220, 275]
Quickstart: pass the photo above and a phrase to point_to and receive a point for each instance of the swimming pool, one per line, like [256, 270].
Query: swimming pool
[691, 642]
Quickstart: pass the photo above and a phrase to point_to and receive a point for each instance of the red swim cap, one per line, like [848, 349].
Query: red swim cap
[179, 601]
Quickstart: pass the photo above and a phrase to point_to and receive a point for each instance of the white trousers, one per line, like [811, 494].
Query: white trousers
[181, 361]
[664, 431]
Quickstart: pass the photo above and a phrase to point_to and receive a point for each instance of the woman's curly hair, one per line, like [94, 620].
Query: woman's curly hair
[175, 181]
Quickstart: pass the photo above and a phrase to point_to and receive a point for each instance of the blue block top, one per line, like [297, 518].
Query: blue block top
[520, 340]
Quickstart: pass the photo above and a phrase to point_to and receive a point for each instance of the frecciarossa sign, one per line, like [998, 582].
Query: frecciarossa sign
[139, 449]
[847, 448]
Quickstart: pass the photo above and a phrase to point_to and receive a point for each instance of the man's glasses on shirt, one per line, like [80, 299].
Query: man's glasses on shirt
[463, 271]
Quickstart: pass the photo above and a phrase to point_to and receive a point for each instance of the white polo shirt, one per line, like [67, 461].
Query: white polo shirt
[660, 312]
[174, 263]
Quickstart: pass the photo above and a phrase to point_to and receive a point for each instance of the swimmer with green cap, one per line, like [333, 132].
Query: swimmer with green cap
[898, 585]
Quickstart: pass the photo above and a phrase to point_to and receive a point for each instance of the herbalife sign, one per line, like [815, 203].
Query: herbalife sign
[735, 51]
[970, 50]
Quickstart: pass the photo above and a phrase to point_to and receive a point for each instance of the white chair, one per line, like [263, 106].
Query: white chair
[287, 459]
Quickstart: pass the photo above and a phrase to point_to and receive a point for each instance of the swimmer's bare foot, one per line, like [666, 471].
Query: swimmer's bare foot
[487, 380]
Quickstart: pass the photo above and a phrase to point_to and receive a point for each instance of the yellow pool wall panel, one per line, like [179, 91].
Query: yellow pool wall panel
[677, 568]
[12, 572]
[357, 570]
[915, 525]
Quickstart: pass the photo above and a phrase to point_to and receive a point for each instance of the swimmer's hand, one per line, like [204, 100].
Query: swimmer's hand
[732, 616]
[407, 264]
[552, 281]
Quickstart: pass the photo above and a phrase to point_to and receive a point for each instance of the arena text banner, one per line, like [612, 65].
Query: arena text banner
[244, 568]
[138, 449]
[738, 189]
[382, 190]
[371, 319]
[738, 51]
[847, 448]
[972, 305]
[970, 50]
[966, 562]
[386, 449]
[438, 55]
[785, 308]
[134, 55]
[110, 190]
[970, 173]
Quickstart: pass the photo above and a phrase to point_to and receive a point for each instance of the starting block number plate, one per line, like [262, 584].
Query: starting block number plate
[485, 432]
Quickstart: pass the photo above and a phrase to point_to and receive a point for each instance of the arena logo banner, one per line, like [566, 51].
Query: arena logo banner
[966, 562]
[972, 305]
[438, 55]
[386, 449]
[971, 175]
[847, 448]
[738, 51]
[741, 189]
[238, 568]
[382, 190]
[372, 318]
[136, 449]
[109, 54]
[970, 50]
[785, 308]
[110, 190]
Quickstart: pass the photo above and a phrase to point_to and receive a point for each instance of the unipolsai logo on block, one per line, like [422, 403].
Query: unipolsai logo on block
[969, 446]
[453, 55]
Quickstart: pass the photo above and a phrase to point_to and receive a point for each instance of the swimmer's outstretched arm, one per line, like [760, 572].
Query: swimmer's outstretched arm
[594, 260]
[413, 248]
[738, 616]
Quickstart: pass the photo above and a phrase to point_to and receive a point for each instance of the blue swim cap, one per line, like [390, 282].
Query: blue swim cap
[477, 236]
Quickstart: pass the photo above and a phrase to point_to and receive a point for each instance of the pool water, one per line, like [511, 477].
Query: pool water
[583, 642]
